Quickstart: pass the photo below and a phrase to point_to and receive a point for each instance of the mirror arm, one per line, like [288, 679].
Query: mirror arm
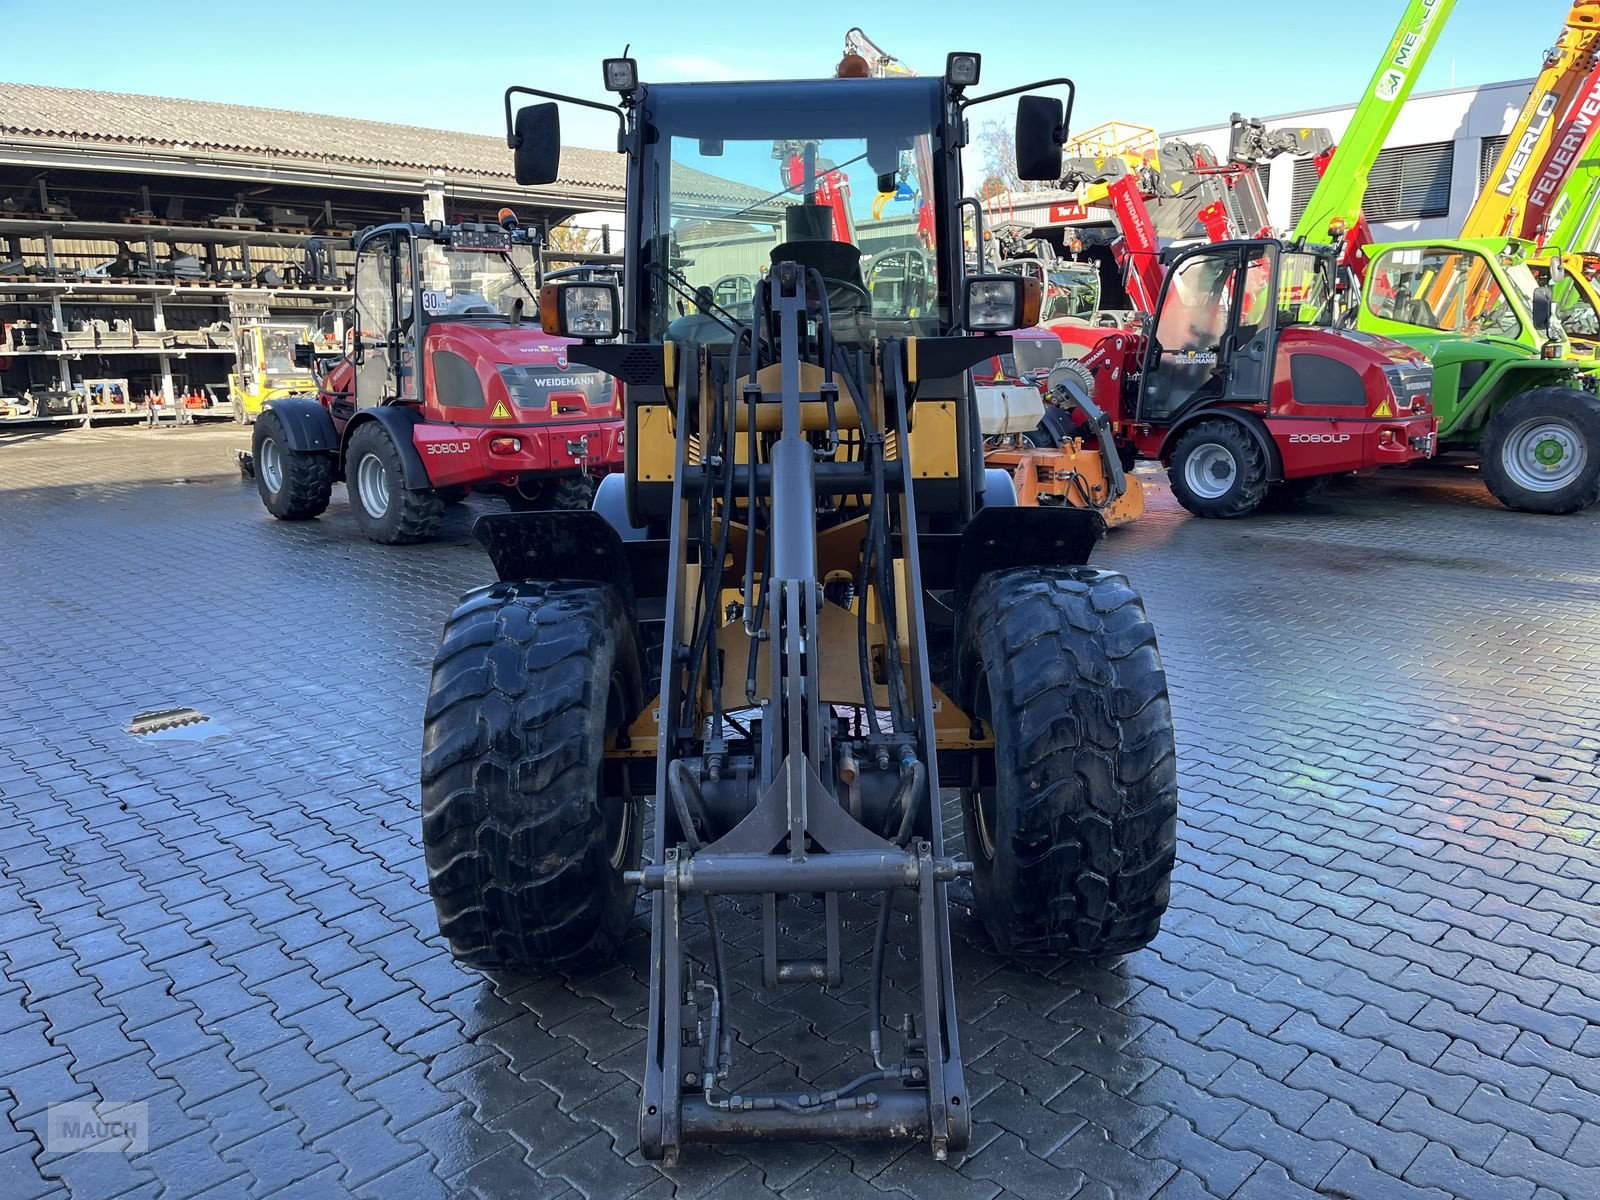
[967, 102]
[511, 137]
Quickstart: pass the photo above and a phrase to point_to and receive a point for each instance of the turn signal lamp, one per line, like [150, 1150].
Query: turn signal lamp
[1550, 350]
[505, 445]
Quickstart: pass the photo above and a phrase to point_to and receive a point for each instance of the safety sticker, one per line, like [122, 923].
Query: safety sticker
[500, 412]
[1384, 409]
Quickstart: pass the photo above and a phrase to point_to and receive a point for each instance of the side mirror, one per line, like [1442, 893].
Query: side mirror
[1040, 135]
[536, 144]
[1543, 309]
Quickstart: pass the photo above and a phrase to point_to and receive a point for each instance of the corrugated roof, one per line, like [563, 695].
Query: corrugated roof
[154, 122]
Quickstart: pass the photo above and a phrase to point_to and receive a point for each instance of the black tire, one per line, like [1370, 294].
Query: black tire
[389, 512]
[563, 492]
[1512, 450]
[1211, 447]
[300, 485]
[1073, 841]
[525, 855]
[1292, 493]
[573, 492]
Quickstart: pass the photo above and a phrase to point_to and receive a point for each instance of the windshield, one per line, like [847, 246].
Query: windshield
[834, 183]
[277, 351]
[1445, 288]
[476, 282]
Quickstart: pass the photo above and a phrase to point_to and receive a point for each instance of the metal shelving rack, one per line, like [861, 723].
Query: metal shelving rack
[45, 295]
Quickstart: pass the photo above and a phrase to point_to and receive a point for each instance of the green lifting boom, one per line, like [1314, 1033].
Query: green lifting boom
[1343, 185]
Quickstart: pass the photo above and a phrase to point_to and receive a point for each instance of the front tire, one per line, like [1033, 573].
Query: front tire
[1541, 452]
[387, 510]
[295, 485]
[1218, 470]
[525, 851]
[1073, 838]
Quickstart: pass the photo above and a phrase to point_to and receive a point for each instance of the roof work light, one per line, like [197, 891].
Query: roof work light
[962, 70]
[622, 75]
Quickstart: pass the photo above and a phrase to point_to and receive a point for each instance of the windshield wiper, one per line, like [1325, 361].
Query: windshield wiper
[517, 275]
[790, 188]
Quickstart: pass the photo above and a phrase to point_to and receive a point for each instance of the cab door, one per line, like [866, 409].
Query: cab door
[385, 325]
[1213, 332]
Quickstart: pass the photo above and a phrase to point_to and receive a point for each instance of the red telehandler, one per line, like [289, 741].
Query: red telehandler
[451, 387]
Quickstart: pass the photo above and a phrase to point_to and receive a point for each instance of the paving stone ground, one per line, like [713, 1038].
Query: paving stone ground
[1377, 977]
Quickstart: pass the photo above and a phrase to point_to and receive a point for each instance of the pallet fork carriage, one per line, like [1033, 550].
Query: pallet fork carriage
[803, 610]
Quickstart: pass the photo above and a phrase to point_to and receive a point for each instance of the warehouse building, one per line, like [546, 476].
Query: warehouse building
[1429, 172]
[137, 233]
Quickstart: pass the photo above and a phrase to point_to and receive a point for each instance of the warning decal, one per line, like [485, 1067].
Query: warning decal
[1385, 409]
[500, 412]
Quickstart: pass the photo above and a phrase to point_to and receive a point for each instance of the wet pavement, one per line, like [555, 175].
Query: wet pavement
[1377, 977]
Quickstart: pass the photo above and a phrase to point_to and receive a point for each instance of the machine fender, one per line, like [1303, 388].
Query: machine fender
[398, 421]
[575, 545]
[1256, 426]
[1001, 538]
[306, 424]
[1504, 381]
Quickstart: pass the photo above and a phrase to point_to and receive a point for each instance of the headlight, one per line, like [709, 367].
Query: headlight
[579, 309]
[997, 302]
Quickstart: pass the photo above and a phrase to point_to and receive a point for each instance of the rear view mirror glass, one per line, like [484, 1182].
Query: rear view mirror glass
[537, 154]
[1543, 307]
[1039, 138]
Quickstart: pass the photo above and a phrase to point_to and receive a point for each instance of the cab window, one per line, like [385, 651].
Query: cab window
[1437, 287]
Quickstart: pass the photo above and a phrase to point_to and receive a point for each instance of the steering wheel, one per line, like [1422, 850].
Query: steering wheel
[847, 285]
[1105, 321]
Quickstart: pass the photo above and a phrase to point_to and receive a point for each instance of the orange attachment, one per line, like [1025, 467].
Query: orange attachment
[1074, 475]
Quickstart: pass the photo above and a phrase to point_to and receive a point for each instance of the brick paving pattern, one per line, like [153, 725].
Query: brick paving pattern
[1377, 977]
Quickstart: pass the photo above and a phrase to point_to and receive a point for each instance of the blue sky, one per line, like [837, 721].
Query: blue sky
[1166, 63]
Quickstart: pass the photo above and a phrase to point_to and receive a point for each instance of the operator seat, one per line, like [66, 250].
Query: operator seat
[849, 305]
